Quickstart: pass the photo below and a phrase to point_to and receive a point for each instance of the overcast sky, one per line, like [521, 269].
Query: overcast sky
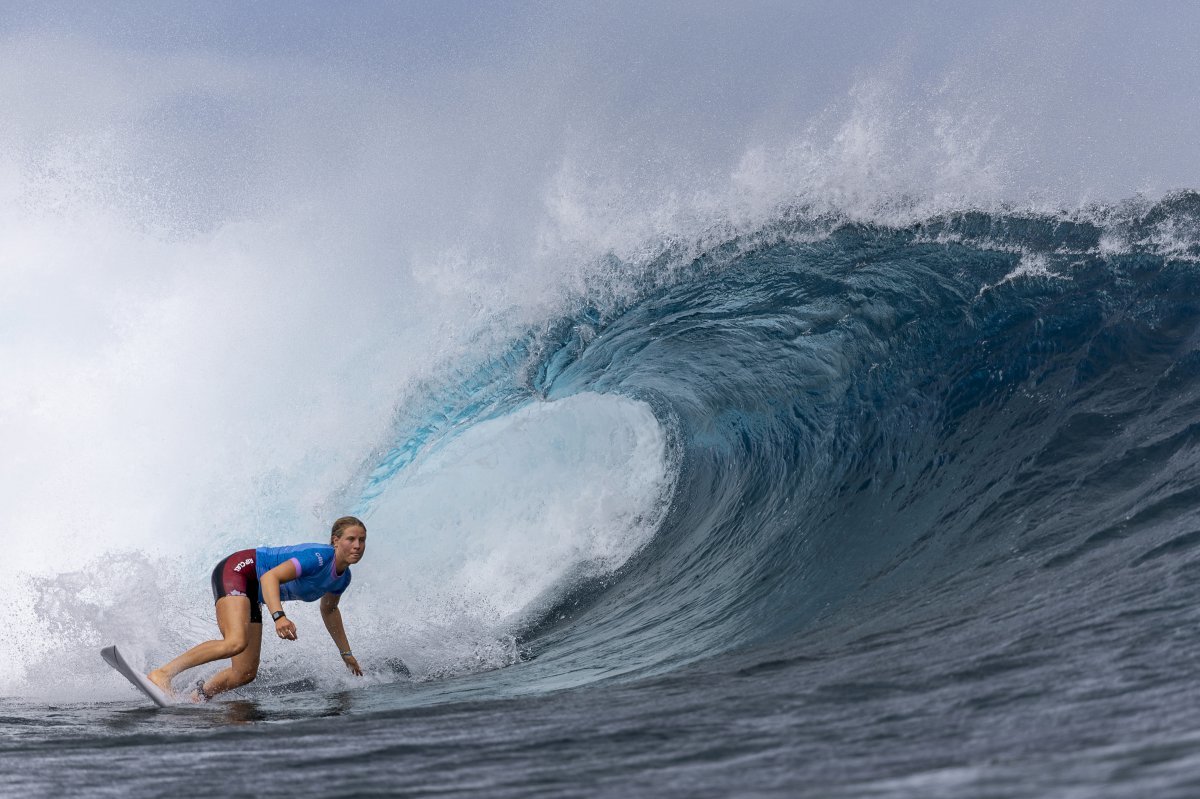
[484, 110]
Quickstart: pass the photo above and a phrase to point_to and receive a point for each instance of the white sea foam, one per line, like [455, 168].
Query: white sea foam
[473, 539]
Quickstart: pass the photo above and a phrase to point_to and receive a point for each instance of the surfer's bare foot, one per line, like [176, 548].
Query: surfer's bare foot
[160, 678]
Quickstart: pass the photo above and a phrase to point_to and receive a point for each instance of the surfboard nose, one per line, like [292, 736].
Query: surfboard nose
[113, 657]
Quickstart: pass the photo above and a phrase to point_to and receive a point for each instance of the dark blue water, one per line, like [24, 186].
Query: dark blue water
[936, 532]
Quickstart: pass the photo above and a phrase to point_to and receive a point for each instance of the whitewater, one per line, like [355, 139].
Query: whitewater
[805, 423]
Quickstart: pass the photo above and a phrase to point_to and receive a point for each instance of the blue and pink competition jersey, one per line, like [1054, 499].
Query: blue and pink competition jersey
[315, 575]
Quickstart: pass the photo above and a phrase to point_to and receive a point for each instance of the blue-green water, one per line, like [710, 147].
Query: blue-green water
[932, 531]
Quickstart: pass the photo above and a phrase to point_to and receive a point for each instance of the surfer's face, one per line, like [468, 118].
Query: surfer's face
[350, 545]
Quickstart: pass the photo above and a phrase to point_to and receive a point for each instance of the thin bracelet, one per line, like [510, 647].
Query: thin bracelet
[347, 654]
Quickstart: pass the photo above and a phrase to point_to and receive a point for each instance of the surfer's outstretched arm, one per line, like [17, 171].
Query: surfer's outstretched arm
[333, 622]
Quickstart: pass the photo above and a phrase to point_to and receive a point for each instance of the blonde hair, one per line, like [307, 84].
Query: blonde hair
[341, 524]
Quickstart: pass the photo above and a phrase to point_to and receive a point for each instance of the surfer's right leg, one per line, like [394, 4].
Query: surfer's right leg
[243, 667]
[232, 615]
[235, 590]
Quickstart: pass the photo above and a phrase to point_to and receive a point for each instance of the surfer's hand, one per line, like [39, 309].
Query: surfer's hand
[352, 664]
[285, 629]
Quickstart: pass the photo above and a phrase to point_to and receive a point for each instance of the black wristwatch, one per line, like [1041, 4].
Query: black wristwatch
[277, 615]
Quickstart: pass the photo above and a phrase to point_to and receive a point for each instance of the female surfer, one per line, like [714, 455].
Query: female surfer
[271, 575]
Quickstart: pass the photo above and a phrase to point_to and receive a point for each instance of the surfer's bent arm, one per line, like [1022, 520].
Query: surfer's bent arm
[333, 622]
[268, 586]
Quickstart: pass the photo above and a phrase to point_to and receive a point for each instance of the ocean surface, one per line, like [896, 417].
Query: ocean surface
[855, 509]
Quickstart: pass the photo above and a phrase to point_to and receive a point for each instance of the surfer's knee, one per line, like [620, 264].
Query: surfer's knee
[232, 647]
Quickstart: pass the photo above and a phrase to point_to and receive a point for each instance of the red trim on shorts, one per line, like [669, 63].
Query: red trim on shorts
[237, 575]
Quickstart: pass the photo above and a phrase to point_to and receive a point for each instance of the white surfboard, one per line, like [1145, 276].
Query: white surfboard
[113, 657]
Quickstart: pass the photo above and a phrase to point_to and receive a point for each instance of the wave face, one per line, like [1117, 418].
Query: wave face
[978, 425]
